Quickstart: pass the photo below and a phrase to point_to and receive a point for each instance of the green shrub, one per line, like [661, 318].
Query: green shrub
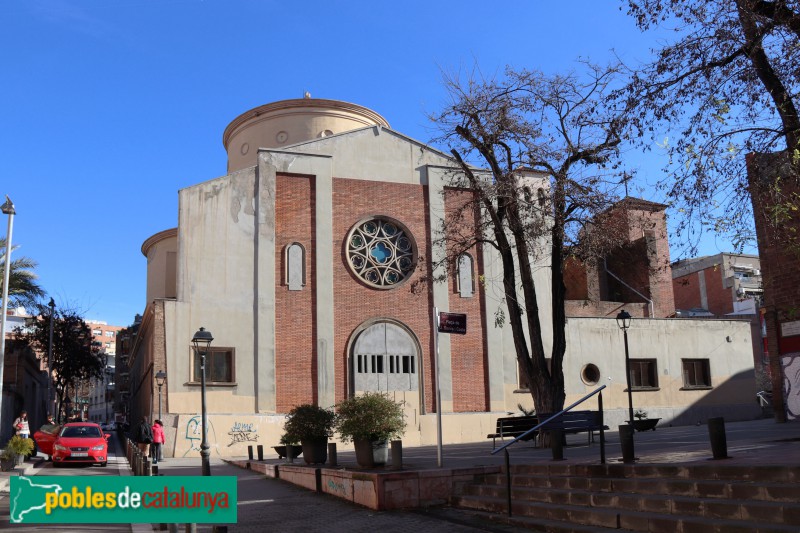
[18, 446]
[308, 422]
[372, 416]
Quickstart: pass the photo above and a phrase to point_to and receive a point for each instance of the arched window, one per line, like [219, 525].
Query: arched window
[466, 285]
[295, 266]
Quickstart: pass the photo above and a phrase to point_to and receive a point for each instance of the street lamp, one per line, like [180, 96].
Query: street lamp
[202, 340]
[8, 209]
[52, 306]
[624, 322]
[160, 377]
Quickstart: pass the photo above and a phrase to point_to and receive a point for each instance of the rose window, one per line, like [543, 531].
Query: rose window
[381, 252]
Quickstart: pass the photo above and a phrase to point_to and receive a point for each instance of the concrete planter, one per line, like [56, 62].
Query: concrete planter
[315, 451]
[370, 454]
[645, 424]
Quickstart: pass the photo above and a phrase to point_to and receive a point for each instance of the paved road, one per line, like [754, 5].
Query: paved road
[270, 505]
[264, 505]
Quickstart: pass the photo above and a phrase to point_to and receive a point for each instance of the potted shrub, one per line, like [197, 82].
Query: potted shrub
[642, 423]
[312, 425]
[370, 421]
[289, 444]
[17, 448]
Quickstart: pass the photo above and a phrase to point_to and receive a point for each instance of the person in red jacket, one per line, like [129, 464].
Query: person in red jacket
[158, 440]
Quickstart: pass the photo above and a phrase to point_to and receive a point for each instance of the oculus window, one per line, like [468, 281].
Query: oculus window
[381, 252]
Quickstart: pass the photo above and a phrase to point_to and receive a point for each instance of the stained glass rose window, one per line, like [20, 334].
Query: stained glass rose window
[381, 252]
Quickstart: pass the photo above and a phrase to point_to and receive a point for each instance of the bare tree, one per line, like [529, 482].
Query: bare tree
[535, 157]
[726, 87]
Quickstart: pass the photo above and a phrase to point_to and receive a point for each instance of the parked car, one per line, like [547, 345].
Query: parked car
[108, 426]
[81, 442]
[45, 438]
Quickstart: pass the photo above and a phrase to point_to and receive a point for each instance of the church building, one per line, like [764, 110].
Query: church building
[310, 262]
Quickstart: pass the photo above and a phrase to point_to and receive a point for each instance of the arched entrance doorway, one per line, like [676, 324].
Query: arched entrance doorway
[385, 357]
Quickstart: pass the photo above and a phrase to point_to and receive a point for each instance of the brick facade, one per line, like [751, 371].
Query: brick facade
[355, 302]
[295, 313]
[779, 252]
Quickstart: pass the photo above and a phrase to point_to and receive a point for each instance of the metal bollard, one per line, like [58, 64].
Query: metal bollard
[626, 442]
[332, 459]
[191, 528]
[719, 442]
[172, 528]
[146, 466]
[260, 452]
[557, 444]
[250, 452]
[290, 453]
[397, 454]
[219, 529]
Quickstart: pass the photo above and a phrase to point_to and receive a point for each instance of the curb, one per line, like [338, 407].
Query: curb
[5, 479]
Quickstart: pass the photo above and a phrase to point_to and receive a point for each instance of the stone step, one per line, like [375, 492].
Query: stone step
[699, 488]
[665, 503]
[717, 470]
[533, 513]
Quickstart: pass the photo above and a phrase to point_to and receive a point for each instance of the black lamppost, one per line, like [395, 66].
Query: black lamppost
[202, 340]
[624, 322]
[52, 306]
[160, 377]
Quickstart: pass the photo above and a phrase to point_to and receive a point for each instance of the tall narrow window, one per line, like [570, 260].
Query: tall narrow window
[465, 277]
[295, 266]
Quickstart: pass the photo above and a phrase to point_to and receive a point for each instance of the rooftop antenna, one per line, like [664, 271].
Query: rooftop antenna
[306, 95]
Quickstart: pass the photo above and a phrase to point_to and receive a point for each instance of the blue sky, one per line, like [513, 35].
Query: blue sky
[110, 106]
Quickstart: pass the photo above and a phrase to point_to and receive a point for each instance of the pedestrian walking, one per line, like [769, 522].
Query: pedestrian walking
[143, 436]
[158, 440]
[21, 425]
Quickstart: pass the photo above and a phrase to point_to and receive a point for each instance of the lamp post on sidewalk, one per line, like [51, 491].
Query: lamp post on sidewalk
[8, 209]
[624, 322]
[160, 377]
[52, 306]
[202, 340]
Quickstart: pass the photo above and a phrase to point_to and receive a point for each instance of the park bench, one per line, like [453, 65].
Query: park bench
[575, 422]
[513, 426]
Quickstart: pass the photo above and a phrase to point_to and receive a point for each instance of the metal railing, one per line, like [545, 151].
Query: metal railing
[505, 447]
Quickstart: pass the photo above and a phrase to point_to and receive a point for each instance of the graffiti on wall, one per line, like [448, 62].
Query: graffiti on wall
[242, 432]
[791, 384]
[194, 434]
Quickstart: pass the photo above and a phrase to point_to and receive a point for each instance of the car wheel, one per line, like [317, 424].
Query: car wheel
[104, 463]
[50, 458]
[56, 464]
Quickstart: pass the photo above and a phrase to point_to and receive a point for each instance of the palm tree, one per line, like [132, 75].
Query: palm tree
[22, 286]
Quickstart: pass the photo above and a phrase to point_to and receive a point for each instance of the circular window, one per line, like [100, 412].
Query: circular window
[282, 137]
[590, 374]
[381, 252]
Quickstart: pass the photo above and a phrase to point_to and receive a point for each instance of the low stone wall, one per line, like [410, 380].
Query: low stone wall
[380, 491]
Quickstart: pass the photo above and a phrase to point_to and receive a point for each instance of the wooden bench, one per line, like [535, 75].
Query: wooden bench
[513, 427]
[575, 422]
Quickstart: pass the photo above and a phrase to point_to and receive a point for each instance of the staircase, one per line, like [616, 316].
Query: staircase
[671, 498]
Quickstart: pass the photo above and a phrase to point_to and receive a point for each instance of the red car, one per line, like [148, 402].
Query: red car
[45, 438]
[80, 442]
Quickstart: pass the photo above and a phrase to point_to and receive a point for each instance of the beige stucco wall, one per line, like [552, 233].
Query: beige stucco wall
[599, 341]
[161, 253]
